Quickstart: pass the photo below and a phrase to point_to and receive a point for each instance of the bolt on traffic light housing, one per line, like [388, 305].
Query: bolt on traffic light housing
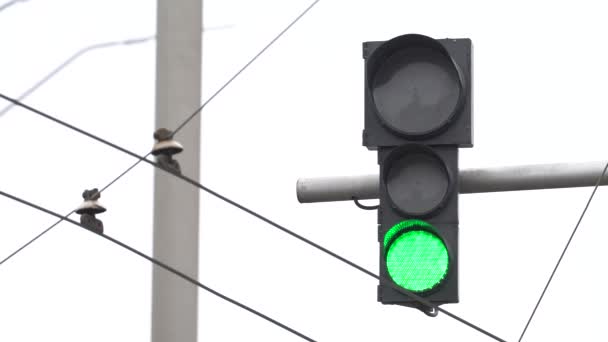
[418, 112]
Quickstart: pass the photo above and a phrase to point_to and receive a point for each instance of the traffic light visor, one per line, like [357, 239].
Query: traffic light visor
[416, 86]
[417, 259]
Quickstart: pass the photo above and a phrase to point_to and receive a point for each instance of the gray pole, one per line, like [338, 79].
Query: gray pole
[511, 178]
[176, 203]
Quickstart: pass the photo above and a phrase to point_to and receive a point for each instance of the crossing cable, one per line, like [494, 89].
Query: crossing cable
[597, 184]
[163, 265]
[14, 102]
[66, 215]
[383, 280]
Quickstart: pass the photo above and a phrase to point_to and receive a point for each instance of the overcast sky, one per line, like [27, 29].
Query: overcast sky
[540, 97]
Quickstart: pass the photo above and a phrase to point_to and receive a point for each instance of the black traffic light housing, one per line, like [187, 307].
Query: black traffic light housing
[411, 58]
[440, 164]
[418, 112]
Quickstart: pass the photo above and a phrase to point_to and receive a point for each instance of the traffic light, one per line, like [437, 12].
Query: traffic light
[418, 99]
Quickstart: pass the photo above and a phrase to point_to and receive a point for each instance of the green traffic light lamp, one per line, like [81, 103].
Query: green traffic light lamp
[417, 259]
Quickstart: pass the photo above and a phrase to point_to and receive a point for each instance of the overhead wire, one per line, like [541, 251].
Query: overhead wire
[17, 101]
[188, 119]
[31, 90]
[383, 280]
[140, 159]
[251, 212]
[597, 184]
[82, 51]
[66, 215]
[163, 265]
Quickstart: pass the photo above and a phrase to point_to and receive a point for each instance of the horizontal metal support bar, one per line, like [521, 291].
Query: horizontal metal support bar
[509, 178]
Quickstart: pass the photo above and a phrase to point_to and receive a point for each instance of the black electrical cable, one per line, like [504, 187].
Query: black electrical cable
[383, 280]
[363, 206]
[109, 44]
[163, 265]
[597, 184]
[68, 214]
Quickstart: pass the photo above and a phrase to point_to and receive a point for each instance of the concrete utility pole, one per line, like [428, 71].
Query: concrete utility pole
[510, 178]
[176, 203]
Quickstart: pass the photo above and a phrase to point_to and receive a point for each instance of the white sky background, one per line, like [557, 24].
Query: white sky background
[540, 97]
